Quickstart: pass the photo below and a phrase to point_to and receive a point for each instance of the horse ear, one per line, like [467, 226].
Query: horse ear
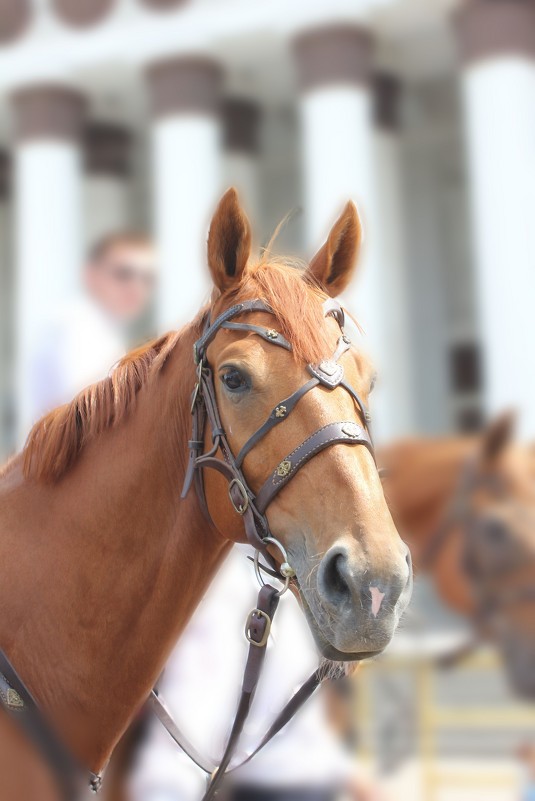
[229, 241]
[498, 435]
[334, 264]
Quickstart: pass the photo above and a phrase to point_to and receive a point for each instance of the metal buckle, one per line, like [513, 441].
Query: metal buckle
[242, 508]
[95, 783]
[197, 387]
[258, 613]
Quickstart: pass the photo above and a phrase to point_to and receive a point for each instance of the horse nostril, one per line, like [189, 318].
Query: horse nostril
[343, 583]
[334, 578]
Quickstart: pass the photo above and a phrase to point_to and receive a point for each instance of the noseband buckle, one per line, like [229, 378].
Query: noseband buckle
[240, 508]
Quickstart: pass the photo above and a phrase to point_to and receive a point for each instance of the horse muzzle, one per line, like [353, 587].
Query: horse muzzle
[353, 609]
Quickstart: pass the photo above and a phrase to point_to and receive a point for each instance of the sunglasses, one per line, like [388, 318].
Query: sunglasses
[128, 274]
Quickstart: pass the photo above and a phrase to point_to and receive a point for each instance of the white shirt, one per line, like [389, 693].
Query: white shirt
[201, 687]
[76, 347]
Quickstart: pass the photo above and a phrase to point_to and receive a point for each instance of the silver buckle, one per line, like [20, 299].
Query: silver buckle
[263, 641]
[197, 387]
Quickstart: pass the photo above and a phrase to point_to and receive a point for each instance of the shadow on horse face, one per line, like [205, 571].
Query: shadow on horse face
[353, 571]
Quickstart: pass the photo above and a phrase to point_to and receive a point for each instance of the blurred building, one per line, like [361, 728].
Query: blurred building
[140, 113]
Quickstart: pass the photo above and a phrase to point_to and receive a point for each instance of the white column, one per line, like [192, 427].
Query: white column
[6, 317]
[186, 155]
[241, 120]
[339, 164]
[498, 47]
[48, 228]
[107, 185]
[398, 373]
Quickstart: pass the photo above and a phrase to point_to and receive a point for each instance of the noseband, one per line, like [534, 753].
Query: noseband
[328, 373]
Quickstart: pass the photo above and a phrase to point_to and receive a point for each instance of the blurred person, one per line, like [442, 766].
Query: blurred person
[79, 343]
[306, 761]
[526, 756]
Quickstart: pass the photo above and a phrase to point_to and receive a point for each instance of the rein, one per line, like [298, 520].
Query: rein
[328, 373]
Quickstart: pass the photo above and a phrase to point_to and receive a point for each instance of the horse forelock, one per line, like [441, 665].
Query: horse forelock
[296, 301]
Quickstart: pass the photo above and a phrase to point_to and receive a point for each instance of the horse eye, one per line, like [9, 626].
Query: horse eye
[234, 380]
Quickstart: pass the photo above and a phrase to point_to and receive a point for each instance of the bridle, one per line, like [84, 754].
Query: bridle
[328, 373]
[251, 507]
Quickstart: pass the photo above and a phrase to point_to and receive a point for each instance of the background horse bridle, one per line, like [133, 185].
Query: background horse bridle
[329, 373]
[463, 516]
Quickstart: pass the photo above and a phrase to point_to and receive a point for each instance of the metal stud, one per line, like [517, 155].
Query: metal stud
[284, 468]
[280, 411]
[351, 429]
[287, 570]
[14, 701]
[271, 333]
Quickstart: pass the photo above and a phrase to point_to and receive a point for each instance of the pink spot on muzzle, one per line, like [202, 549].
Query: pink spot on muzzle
[377, 600]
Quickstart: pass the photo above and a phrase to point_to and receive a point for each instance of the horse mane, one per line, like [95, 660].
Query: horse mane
[55, 442]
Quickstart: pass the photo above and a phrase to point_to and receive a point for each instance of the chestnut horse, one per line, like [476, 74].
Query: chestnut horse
[103, 563]
[466, 507]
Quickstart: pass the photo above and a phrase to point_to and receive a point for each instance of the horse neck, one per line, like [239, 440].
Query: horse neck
[109, 566]
[423, 483]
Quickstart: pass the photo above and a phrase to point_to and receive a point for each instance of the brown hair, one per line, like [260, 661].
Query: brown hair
[103, 246]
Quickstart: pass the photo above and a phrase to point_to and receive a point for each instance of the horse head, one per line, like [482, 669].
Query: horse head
[296, 423]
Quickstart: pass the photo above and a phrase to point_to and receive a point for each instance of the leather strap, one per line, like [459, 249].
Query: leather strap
[347, 432]
[240, 308]
[278, 414]
[269, 334]
[258, 627]
[21, 707]
[156, 704]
